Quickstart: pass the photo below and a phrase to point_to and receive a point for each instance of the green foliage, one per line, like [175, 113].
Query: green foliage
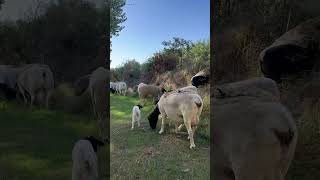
[68, 34]
[129, 71]
[199, 56]
[117, 16]
[178, 54]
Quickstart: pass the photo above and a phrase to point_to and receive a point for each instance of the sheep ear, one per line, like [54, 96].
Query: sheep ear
[219, 93]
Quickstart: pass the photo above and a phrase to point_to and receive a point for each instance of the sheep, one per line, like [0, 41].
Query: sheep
[258, 87]
[130, 90]
[34, 78]
[186, 107]
[98, 86]
[84, 158]
[121, 87]
[254, 138]
[136, 115]
[113, 87]
[201, 78]
[295, 51]
[145, 90]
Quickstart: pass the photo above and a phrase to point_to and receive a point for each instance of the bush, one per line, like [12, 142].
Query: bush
[64, 98]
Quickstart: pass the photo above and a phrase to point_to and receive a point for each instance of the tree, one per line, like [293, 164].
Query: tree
[176, 47]
[1, 2]
[117, 16]
[199, 55]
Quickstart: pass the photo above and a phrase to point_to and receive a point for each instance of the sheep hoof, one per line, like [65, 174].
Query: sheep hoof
[192, 146]
[132, 128]
[160, 132]
[188, 137]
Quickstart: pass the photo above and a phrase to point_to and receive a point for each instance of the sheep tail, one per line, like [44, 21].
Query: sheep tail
[285, 138]
[44, 75]
[198, 102]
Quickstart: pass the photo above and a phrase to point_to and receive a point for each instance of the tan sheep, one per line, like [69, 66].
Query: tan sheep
[146, 91]
[254, 138]
[98, 86]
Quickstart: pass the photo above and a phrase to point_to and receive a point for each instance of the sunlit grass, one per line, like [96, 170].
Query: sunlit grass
[144, 154]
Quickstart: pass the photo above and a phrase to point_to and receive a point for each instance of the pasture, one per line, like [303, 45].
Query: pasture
[144, 154]
[37, 143]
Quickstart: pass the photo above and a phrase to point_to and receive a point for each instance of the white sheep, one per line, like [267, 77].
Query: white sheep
[136, 115]
[33, 79]
[84, 158]
[254, 135]
[121, 88]
[180, 107]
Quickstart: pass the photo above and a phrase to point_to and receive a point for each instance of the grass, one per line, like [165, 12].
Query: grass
[306, 163]
[144, 154]
[37, 144]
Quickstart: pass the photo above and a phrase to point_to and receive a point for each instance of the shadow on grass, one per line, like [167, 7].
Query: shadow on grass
[37, 143]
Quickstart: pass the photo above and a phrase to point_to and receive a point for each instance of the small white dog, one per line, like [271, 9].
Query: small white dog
[136, 115]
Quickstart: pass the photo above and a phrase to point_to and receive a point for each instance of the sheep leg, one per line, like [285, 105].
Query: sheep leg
[22, 92]
[47, 98]
[139, 121]
[189, 129]
[32, 98]
[132, 123]
[162, 124]
[176, 128]
[180, 127]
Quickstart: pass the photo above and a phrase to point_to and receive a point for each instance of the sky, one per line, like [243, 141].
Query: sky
[150, 22]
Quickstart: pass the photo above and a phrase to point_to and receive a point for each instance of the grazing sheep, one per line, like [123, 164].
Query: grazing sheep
[295, 51]
[136, 115]
[254, 138]
[130, 90]
[98, 86]
[180, 107]
[121, 88]
[259, 87]
[84, 158]
[113, 88]
[146, 90]
[201, 78]
[33, 79]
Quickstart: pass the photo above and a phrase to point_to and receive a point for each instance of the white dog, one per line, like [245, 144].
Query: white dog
[136, 115]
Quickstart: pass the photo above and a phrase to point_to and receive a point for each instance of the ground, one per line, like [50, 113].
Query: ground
[144, 154]
[37, 144]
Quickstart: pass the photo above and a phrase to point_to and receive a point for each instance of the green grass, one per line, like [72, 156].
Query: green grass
[37, 144]
[306, 162]
[144, 154]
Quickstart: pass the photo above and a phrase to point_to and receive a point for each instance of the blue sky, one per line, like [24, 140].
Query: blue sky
[149, 22]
